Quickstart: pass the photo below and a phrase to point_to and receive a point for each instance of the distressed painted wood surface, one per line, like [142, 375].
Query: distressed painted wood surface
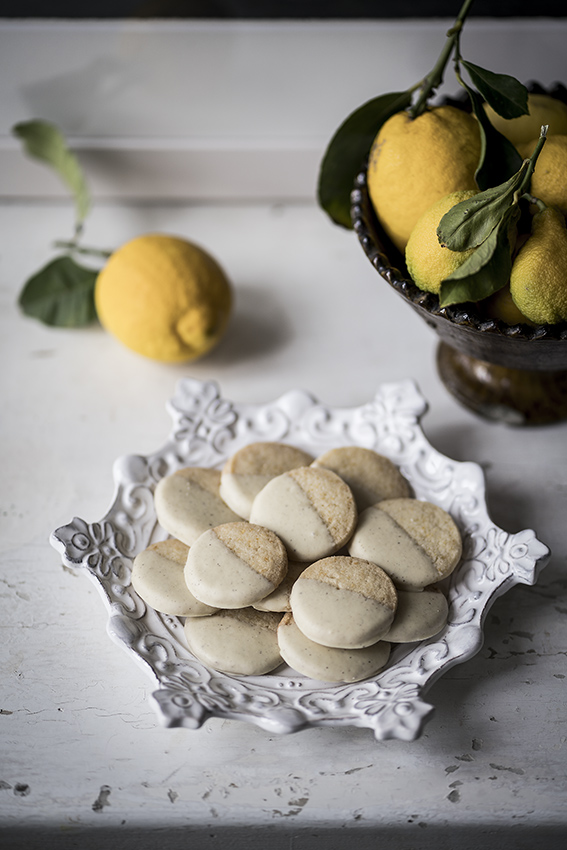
[82, 758]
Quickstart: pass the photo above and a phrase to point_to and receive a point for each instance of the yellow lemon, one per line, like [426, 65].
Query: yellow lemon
[163, 297]
[538, 282]
[549, 180]
[543, 109]
[427, 261]
[415, 162]
[501, 306]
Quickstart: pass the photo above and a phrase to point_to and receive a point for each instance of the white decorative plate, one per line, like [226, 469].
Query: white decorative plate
[208, 428]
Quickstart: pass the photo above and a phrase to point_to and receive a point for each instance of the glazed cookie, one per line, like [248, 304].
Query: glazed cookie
[312, 510]
[188, 503]
[343, 602]
[243, 642]
[417, 543]
[157, 576]
[419, 616]
[328, 664]
[278, 600]
[250, 469]
[371, 476]
[235, 565]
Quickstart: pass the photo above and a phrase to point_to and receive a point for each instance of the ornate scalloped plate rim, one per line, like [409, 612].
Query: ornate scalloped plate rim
[206, 429]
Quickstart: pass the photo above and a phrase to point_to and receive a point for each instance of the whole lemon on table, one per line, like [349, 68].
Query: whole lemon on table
[543, 109]
[428, 262]
[549, 180]
[538, 282]
[164, 298]
[414, 162]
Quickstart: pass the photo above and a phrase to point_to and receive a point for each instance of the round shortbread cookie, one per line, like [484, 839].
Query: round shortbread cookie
[250, 468]
[158, 577]
[419, 616]
[243, 642]
[325, 663]
[312, 510]
[235, 565]
[278, 600]
[188, 502]
[417, 543]
[343, 602]
[371, 476]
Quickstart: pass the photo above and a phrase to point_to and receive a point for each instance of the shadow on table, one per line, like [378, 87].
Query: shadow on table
[417, 836]
[258, 326]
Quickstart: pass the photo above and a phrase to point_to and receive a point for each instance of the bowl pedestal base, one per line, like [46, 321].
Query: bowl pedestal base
[502, 394]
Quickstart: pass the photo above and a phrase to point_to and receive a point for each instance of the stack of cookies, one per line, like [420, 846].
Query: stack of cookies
[319, 563]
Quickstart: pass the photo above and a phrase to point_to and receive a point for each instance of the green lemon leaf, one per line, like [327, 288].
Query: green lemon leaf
[505, 94]
[347, 150]
[469, 223]
[499, 159]
[43, 141]
[486, 270]
[61, 294]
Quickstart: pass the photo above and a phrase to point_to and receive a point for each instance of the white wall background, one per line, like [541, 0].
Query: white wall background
[225, 110]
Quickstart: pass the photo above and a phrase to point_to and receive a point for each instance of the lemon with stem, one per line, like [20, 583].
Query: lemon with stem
[164, 297]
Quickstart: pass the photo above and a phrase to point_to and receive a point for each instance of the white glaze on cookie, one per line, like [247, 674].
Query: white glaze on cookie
[419, 616]
[188, 503]
[158, 577]
[328, 664]
[242, 642]
[279, 599]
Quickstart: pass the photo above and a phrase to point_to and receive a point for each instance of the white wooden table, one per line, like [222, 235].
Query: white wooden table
[82, 758]
[81, 749]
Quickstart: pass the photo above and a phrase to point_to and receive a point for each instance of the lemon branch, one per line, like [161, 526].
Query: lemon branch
[483, 223]
[72, 247]
[435, 78]
[524, 186]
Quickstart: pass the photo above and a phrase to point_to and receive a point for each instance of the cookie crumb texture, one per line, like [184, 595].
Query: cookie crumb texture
[371, 476]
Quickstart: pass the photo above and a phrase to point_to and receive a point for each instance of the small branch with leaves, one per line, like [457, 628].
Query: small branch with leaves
[351, 143]
[485, 223]
[61, 294]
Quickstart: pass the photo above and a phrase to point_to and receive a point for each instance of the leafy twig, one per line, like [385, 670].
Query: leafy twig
[62, 292]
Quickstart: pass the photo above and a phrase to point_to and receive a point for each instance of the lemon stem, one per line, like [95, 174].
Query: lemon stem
[73, 248]
[531, 199]
[525, 184]
[435, 78]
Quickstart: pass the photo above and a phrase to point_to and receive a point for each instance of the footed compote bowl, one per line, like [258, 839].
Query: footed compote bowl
[515, 374]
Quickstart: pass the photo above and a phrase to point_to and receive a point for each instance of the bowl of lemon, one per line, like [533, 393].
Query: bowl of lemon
[460, 204]
[503, 355]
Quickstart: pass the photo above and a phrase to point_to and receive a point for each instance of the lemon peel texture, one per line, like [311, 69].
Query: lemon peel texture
[414, 163]
[164, 297]
[428, 262]
[549, 180]
[543, 109]
[538, 282]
